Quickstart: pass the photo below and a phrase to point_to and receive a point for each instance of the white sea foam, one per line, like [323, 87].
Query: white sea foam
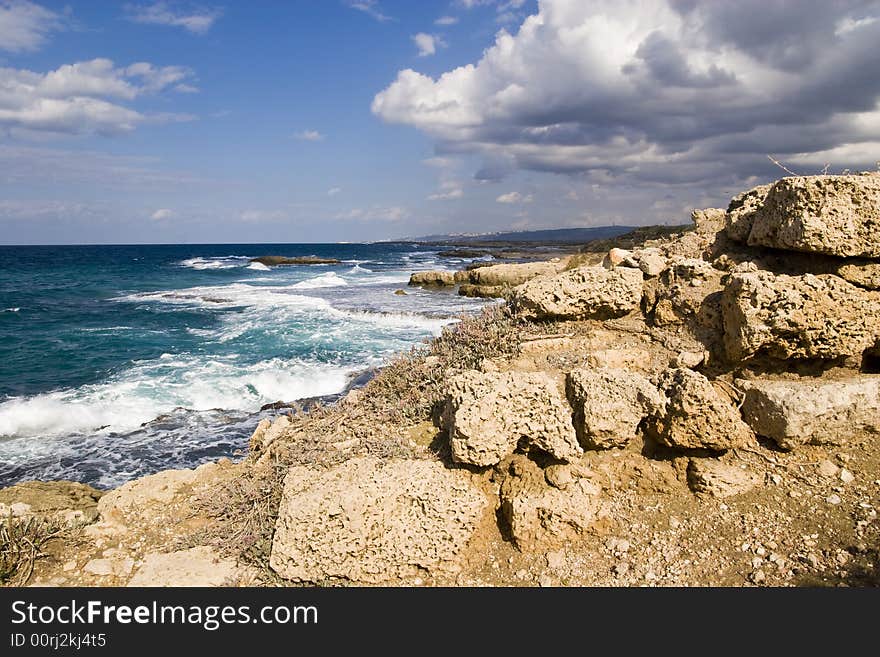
[157, 387]
[10, 310]
[229, 296]
[215, 262]
[357, 269]
[330, 279]
[259, 266]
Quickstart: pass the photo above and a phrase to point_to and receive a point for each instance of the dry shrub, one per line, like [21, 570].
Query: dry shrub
[21, 544]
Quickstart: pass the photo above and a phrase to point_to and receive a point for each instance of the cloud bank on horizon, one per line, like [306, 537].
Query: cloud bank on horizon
[645, 92]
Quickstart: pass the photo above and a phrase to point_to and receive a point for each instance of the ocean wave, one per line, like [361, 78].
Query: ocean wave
[330, 279]
[151, 389]
[357, 269]
[259, 266]
[229, 296]
[10, 310]
[400, 320]
[215, 262]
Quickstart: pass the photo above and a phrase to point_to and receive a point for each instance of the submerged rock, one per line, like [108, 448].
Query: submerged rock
[795, 412]
[372, 521]
[274, 261]
[487, 414]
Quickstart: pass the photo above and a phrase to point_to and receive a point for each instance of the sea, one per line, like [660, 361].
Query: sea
[120, 361]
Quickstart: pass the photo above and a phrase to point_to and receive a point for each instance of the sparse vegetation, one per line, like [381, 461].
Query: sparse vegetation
[21, 545]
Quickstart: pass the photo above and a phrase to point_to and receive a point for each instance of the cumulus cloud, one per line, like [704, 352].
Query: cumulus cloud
[197, 20]
[162, 214]
[427, 43]
[683, 92]
[309, 135]
[371, 8]
[25, 26]
[515, 197]
[83, 98]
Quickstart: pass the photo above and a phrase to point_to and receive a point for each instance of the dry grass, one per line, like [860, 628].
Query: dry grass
[21, 544]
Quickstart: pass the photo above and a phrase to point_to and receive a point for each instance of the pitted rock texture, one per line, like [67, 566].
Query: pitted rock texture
[511, 275]
[741, 212]
[609, 405]
[432, 279]
[695, 415]
[371, 521]
[835, 215]
[797, 317]
[487, 414]
[582, 293]
[863, 273]
[795, 412]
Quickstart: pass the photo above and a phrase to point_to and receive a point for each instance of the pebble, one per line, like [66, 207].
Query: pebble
[776, 479]
[827, 468]
[68, 566]
[545, 581]
[556, 560]
[418, 581]
[521, 574]
[846, 476]
[621, 569]
[834, 499]
[758, 576]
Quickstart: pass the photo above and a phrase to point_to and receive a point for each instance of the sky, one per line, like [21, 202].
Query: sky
[360, 120]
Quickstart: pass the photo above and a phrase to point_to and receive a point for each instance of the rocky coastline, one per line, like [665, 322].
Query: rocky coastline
[699, 409]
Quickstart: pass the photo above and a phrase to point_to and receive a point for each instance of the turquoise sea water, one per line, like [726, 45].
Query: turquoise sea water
[118, 361]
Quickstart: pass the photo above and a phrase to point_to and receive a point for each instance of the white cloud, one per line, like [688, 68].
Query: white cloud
[371, 8]
[446, 20]
[25, 26]
[427, 43]
[257, 216]
[162, 214]
[515, 197]
[83, 98]
[309, 135]
[647, 92]
[197, 20]
[333, 191]
[393, 213]
[449, 190]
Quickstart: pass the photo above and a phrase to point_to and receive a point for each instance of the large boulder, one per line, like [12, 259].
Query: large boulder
[432, 279]
[695, 415]
[795, 412]
[544, 514]
[511, 275]
[609, 405]
[835, 215]
[582, 293]
[487, 414]
[372, 521]
[797, 317]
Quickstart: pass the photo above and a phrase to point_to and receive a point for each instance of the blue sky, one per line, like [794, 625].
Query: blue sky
[338, 120]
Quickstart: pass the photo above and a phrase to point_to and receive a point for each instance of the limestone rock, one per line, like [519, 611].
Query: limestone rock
[582, 293]
[719, 479]
[487, 414]
[67, 501]
[651, 261]
[511, 275]
[110, 567]
[133, 497]
[795, 412]
[616, 257]
[695, 415]
[741, 212]
[432, 278]
[542, 516]
[267, 432]
[709, 221]
[791, 317]
[609, 405]
[835, 215]
[371, 521]
[863, 273]
[198, 566]
[482, 291]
